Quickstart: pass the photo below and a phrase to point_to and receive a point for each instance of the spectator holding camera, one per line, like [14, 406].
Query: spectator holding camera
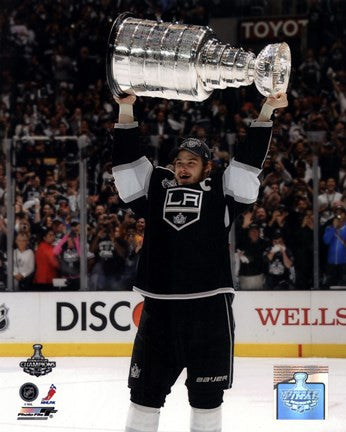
[23, 263]
[32, 188]
[335, 238]
[279, 222]
[67, 251]
[280, 264]
[327, 199]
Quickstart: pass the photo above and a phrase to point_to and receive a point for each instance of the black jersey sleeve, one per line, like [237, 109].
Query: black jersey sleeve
[125, 143]
[254, 150]
[131, 169]
[240, 179]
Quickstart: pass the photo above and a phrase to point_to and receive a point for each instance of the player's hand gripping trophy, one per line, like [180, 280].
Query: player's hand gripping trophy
[187, 62]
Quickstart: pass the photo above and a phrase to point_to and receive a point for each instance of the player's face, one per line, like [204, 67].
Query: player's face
[189, 168]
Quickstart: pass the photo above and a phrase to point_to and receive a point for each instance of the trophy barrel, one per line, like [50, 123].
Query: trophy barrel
[186, 62]
[156, 59]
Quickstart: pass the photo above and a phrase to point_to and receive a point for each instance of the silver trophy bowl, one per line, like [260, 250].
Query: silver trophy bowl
[186, 62]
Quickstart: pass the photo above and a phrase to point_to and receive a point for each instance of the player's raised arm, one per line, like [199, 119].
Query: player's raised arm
[272, 102]
[241, 176]
[125, 109]
[131, 169]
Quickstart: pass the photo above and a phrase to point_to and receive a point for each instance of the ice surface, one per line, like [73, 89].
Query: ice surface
[92, 395]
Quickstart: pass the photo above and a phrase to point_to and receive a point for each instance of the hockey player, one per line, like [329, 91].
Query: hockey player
[184, 271]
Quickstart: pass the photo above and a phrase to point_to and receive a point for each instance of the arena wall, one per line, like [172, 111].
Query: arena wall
[268, 324]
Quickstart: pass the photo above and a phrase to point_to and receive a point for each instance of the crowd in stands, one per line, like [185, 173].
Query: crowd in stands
[52, 83]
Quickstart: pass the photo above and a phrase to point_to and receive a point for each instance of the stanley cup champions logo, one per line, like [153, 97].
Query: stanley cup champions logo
[37, 365]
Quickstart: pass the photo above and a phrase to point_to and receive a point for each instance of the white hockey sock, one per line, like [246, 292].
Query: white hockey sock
[142, 419]
[206, 420]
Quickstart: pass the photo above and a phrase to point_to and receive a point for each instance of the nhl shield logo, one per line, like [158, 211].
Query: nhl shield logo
[3, 317]
[182, 207]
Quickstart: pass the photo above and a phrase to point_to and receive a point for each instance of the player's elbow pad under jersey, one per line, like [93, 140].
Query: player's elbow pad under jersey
[131, 170]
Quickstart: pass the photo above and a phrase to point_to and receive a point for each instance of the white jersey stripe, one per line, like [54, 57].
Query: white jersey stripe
[185, 296]
[230, 341]
[139, 172]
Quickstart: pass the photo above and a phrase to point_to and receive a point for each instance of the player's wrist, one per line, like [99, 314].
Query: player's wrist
[126, 109]
[266, 112]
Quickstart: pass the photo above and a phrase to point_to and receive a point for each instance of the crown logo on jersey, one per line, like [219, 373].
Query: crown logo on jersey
[179, 219]
[135, 371]
[168, 183]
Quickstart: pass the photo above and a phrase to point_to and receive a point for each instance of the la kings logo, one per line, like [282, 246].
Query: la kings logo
[182, 207]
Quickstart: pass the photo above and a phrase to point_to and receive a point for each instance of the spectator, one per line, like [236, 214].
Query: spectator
[261, 219]
[327, 199]
[162, 134]
[67, 251]
[110, 252]
[335, 238]
[140, 227]
[47, 266]
[3, 234]
[280, 264]
[310, 73]
[3, 271]
[302, 243]
[23, 264]
[134, 243]
[279, 222]
[59, 230]
[252, 266]
[329, 160]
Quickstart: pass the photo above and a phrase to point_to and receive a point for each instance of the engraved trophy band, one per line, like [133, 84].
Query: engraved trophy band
[186, 62]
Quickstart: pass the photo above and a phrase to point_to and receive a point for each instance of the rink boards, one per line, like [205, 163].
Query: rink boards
[268, 324]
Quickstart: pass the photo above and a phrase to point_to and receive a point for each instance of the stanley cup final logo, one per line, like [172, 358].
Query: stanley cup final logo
[300, 398]
[300, 392]
[37, 365]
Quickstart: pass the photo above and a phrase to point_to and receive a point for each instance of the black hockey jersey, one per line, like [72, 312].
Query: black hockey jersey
[185, 252]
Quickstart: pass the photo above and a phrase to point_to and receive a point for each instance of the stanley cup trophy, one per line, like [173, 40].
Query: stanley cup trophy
[186, 62]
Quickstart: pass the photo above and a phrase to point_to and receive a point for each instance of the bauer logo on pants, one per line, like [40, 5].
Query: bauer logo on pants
[182, 207]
